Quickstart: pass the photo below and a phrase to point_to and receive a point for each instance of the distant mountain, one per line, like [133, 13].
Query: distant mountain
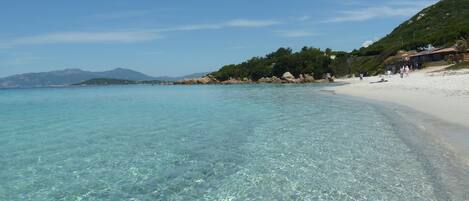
[68, 77]
[107, 81]
[124, 74]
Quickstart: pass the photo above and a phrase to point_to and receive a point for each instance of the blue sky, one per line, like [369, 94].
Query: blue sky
[182, 37]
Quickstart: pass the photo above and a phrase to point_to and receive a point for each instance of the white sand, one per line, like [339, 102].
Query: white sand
[442, 95]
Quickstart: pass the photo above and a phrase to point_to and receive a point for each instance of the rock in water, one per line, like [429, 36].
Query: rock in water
[289, 77]
[203, 80]
[276, 80]
[265, 80]
[308, 78]
[232, 81]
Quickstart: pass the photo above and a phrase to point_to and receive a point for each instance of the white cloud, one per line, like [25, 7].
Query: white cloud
[371, 13]
[402, 8]
[128, 36]
[250, 23]
[419, 3]
[192, 27]
[237, 23]
[294, 33]
[86, 37]
[368, 43]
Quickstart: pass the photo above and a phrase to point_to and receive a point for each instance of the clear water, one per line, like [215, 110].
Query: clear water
[259, 142]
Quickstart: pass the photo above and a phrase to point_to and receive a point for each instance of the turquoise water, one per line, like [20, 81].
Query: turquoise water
[259, 142]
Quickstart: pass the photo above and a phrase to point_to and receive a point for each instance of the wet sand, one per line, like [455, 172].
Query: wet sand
[441, 95]
[430, 110]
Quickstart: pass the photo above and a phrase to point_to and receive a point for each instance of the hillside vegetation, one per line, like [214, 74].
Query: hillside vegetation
[309, 60]
[462, 65]
[440, 25]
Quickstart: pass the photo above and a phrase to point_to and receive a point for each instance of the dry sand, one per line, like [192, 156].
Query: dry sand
[443, 95]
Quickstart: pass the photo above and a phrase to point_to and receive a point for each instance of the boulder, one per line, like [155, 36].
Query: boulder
[203, 80]
[247, 80]
[273, 79]
[308, 78]
[265, 80]
[301, 78]
[288, 76]
[276, 80]
[232, 81]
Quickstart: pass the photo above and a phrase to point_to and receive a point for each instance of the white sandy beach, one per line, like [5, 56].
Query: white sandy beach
[442, 95]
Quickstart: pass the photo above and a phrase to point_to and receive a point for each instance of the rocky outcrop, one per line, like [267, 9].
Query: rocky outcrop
[237, 81]
[273, 79]
[286, 78]
[302, 78]
[308, 78]
[203, 80]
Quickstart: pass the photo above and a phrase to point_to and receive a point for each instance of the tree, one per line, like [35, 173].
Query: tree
[461, 47]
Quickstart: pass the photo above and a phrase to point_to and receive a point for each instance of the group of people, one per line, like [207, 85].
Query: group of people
[405, 70]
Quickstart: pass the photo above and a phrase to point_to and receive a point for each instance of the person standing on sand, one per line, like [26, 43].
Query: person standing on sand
[407, 70]
[401, 72]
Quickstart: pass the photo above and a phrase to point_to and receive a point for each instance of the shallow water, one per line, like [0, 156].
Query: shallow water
[248, 142]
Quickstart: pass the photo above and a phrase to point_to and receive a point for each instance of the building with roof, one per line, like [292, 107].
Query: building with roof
[441, 54]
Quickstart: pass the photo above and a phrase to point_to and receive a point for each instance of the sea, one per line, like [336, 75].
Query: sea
[238, 142]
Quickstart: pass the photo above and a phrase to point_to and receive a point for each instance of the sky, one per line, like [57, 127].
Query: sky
[176, 37]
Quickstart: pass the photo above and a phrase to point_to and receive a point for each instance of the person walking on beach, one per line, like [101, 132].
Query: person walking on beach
[407, 70]
[401, 72]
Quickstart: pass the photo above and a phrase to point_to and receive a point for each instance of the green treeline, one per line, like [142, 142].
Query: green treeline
[306, 61]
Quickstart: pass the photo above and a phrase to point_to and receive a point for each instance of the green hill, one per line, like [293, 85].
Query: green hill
[439, 25]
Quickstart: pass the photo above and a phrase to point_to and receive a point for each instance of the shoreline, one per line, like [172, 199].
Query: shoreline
[445, 158]
[439, 94]
[437, 104]
[449, 168]
[441, 147]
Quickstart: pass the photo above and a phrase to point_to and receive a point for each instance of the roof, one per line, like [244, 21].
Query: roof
[436, 51]
[426, 52]
[445, 50]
